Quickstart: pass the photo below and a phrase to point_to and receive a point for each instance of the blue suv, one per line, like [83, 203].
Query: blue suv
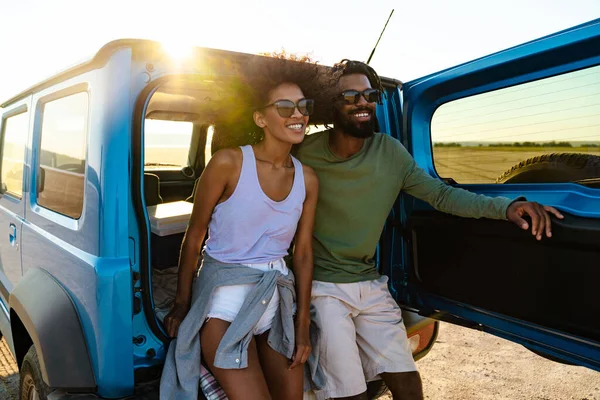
[99, 165]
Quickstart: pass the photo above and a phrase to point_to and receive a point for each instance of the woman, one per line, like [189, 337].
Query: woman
[253, 200]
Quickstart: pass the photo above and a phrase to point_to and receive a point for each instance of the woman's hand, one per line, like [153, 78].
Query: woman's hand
[174, 318]
[303, 347]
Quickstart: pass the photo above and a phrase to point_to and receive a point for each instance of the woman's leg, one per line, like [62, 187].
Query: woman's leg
[247, 383]
[284, 384]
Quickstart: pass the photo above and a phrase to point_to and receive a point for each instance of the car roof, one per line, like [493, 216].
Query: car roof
[140, 46]
[143, 48]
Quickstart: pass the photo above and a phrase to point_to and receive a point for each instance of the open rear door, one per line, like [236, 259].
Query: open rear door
[521, 122]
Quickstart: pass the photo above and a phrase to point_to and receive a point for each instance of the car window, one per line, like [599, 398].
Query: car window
[208, 148]
[549, 124]
[62, 161]
[14, 136]
[166, 143]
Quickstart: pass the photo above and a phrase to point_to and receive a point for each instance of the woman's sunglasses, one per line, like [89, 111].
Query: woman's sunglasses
[353, 96]
[286, 108]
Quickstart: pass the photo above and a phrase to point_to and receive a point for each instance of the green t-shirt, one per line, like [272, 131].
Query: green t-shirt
[356, 195]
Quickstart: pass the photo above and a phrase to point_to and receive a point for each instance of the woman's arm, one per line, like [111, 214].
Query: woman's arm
[303, 266]
[216, 180]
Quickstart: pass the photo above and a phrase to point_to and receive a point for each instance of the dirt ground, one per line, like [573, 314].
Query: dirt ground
[468, 364]
[463, 364]
[9, 374]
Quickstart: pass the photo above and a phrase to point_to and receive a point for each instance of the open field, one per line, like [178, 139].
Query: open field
[486, 164]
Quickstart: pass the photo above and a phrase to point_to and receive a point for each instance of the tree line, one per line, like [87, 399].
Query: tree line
[518, 144]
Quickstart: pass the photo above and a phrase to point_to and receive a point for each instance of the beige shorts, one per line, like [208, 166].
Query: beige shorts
[363, 335]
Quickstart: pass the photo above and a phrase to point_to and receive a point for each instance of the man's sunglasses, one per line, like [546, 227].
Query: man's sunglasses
[286, 108]
[353, 96]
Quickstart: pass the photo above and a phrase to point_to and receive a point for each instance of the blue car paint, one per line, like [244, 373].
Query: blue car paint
[98, 276]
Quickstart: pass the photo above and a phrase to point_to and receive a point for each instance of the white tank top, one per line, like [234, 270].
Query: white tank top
[250, 227]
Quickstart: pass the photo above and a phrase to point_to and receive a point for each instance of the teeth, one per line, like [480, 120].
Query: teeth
[362, 115]
[295, 126]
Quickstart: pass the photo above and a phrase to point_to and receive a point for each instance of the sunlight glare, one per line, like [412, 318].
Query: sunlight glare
[177, 49]
[208, 147]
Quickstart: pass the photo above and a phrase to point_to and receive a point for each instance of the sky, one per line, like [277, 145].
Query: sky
[40, 37]
[562, 108]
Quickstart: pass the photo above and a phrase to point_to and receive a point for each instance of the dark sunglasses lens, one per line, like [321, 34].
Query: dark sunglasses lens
[306, 107]
[350, 96]
[285, 108]
[372, 95]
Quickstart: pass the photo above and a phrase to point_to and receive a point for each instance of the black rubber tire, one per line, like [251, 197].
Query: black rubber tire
[554, 168]
[31, 378]
[376, 389]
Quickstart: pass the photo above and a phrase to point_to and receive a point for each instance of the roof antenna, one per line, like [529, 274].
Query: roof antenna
[385, 26]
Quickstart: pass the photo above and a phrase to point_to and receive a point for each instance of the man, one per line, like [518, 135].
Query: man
[361, 174]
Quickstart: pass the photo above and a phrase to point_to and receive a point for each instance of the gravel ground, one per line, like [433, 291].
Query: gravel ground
[468, 364]
[464, 364]
[9, 374]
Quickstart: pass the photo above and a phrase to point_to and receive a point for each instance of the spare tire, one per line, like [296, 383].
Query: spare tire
[554, 168]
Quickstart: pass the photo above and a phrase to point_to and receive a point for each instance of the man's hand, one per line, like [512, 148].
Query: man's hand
[540, 217]
[174, 318]
[303, 347]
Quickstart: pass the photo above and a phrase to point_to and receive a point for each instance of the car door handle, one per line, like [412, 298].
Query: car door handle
[12, 234]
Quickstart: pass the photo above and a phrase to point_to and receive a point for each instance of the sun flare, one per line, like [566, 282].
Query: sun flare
[179, 50]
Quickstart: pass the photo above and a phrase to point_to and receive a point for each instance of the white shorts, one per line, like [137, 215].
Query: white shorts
[228, 300]
[363, 335]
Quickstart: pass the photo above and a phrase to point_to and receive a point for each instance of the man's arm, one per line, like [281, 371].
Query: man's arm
[463, 203]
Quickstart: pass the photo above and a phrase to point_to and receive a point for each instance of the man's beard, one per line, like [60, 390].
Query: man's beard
[362, 131]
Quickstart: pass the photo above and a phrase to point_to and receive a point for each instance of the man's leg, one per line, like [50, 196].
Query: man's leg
[339, 356]
[383, 344]
[404, 385]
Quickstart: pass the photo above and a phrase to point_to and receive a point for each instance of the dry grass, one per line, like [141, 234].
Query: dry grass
[486, 164]
[170, 155]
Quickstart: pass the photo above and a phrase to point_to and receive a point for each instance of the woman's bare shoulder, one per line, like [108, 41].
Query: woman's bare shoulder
[226, 158]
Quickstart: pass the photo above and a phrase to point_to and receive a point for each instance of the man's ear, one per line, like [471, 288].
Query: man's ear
[259, 119]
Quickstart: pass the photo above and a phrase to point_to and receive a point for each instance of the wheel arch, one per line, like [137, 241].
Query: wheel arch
[44, 315]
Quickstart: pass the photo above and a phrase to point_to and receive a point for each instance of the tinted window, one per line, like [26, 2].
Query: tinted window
[13, 153]
[63, 155]
[479, 139]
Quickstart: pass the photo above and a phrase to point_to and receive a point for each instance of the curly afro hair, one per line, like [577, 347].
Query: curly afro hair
[250, 87]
